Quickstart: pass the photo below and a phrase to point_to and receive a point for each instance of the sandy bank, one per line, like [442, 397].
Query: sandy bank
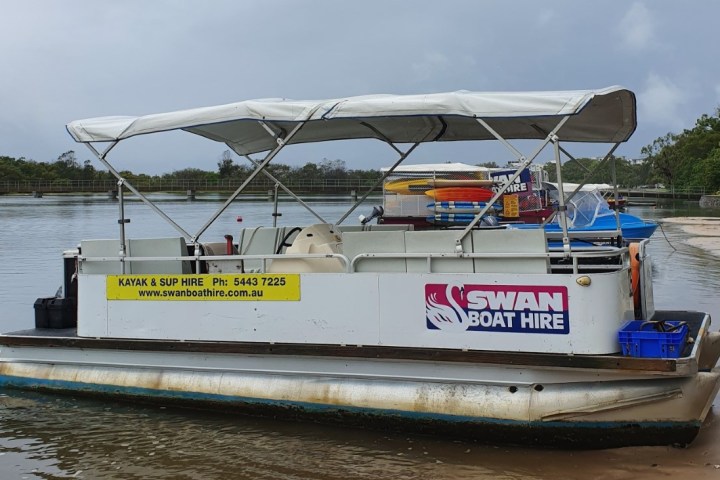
[703, 232]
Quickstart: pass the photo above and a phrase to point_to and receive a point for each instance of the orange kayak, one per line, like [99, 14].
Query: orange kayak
[460, 194]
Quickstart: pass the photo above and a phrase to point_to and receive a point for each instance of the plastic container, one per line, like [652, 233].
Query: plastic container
[53, 312]
[42, 316]
[648, 339]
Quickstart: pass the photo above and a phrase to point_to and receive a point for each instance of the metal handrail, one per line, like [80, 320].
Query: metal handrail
[194, 258]
[604, 252]
[350, 264]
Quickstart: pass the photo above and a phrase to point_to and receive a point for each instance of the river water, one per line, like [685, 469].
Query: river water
[47, 436]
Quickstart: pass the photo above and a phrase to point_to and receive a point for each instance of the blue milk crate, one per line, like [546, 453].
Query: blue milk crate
[647, 339]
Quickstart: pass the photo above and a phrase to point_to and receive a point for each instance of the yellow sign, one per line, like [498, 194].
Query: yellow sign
[511, 206]
[233, 287]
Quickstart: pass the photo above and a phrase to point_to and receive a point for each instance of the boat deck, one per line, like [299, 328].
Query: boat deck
[687, 364]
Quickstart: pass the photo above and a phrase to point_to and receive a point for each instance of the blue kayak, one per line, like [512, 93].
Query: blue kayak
[460, 207]
[461, 219]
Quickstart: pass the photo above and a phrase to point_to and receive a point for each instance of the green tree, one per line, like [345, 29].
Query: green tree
[333, 168]
[307, 172]
[226, 165]
[688, 158]
[10, 172]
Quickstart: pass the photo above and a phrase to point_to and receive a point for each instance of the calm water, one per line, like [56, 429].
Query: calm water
[45, 436]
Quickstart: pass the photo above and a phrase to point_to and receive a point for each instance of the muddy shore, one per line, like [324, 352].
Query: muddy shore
[702, 232]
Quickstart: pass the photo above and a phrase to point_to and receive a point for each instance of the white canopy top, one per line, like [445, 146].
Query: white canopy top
[437, 167]
[603, 116]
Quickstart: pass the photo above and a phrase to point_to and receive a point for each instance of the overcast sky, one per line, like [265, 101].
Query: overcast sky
[72, 59]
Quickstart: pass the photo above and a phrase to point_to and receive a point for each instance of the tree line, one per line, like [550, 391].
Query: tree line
[67, 167]
[687, 159]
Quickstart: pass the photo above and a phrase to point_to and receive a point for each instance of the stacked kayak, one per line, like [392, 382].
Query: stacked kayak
[460, 207]
[460, 194]
[461, 219]
[418, 186]
[455, 201]
[460, 213]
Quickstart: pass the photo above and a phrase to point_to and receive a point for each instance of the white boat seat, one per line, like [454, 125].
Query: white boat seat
[379, 241]
[141, 247]
[511, 241]
[437, 241]
[100, 248]
[257, 241]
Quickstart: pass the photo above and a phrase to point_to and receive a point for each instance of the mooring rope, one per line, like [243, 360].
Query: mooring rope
[666, 238]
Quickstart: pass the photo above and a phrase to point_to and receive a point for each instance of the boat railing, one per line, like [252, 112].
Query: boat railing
[262, 258]
[576, 265]
[351, 265]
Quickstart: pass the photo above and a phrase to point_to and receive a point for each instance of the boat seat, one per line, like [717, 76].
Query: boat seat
[351, 228]
[141, 247]
[257, 241]
[378, 241]
[315, 239]
[390, 226]
[159, 247]
[437, 241]
[100, 248]
[510, 241]
[221, 266]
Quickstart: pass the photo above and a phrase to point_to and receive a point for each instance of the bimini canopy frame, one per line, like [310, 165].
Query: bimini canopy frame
[599, 116]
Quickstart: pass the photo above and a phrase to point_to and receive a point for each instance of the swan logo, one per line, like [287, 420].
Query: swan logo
[497, 308]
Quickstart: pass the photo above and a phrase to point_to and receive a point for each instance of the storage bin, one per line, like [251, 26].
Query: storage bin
[649, 339]
[54, 312]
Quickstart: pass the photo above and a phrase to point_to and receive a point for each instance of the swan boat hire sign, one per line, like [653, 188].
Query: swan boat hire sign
[497, 308]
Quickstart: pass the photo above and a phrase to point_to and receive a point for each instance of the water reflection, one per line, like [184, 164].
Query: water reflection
[79, 438]
[66, 437]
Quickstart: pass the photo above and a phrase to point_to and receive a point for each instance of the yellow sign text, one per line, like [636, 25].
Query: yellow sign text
[233, 287]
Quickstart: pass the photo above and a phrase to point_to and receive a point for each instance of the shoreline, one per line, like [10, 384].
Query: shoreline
[703, 232]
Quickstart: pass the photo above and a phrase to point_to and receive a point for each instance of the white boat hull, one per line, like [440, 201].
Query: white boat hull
[547, 406]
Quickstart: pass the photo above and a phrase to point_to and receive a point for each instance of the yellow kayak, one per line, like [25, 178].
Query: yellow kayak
[417, 186]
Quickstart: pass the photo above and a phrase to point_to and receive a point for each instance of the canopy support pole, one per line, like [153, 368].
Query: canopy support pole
[278, 183]
[148, 202]
[590, 173]
[585, 180]
[616, 207]
[281, 142]
[122, 221]
[524, 163]
[562, 207]
[403, 156]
